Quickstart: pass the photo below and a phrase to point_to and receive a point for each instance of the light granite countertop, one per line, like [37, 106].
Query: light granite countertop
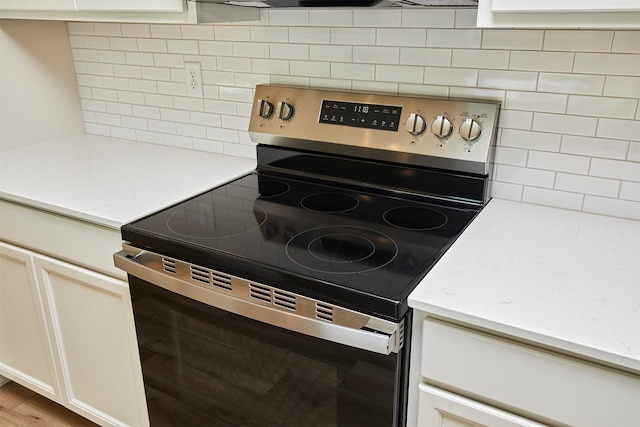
[564, 279]
[110, 181]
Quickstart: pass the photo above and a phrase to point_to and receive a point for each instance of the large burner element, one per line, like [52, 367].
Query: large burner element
[341, 249]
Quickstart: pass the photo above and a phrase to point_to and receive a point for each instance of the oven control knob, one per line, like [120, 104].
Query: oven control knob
[470, 129]
[441, 127]
[415, 124]
[285, 110]
[265, 108]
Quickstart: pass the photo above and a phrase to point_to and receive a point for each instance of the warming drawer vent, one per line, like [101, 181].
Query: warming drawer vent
[324, 312]
[260, 292]
[169, 265]
[284, 299]
[210, 277]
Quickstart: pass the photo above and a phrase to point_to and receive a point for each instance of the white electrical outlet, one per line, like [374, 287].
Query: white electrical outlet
[193, 77]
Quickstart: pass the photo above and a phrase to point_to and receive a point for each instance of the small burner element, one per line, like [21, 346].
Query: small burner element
[269, 188]
[415, 218]
[341, 249]
[329, 202]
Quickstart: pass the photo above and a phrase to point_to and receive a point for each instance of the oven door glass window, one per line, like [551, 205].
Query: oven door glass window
[203, 366]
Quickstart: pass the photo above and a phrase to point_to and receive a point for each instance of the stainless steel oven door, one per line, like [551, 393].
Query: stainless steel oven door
[205, 365]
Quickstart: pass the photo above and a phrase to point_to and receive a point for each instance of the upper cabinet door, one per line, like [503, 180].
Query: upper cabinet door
[41, 5]
[132, 5]
[559, 14]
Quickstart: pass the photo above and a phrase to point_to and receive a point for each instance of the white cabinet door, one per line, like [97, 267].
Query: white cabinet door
[25, 354]
[95, 343]
[438, 408]
[132, 5]
[559, 14]
[40, 5]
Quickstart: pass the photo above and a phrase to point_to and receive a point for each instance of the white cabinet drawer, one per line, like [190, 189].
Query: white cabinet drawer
[438, 408]
[536, 382]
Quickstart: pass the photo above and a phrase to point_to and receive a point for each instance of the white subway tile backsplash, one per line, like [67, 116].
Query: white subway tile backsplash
[450, 76]
[541, 61]
[330, 53]
[570, 83]
[578, 40]
[136, 30]
[605, 63]
[617, 169]
[405, 37]
[525, 176]
[534, 101]
[399, 73]
[428, 18]
[539, 141]
[626, 42]
[164, 31]
[569, 129]
[377, 18]
[630, 191]
[516, 80]
[587, 185]
[425, 56]
[329, 18]
[555, 198]
[468, 39]
[599, 106]
[197, 32]
[558, 162]
[376, 55]
[619, 129]
[474, 58]
[287, 51]
[620, 86]
[594, 147]
[609, 206]
[559, 123]
[512, 39]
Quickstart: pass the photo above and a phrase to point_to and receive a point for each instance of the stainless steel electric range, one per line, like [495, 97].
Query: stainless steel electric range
[280, 298]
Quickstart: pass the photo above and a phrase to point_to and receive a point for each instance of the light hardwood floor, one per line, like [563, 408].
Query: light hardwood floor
[21, 407]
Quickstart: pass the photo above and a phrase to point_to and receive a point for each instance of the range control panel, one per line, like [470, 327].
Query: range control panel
[446, 134]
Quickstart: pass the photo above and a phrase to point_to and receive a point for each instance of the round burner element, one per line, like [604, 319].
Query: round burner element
[329, 202]
[269, 188]
[341, 249]
[415, 218]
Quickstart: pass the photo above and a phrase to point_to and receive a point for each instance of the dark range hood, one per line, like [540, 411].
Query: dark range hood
[345, 3]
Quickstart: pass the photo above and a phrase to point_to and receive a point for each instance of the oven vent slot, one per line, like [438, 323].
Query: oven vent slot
[168, 265]
[324, 312]
[210, 277]
[284, 299]
[260, 292]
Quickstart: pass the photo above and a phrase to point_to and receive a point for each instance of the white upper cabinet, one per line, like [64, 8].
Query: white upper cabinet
[150, 11]
[559, 14]
[132, 5]
[41, 5]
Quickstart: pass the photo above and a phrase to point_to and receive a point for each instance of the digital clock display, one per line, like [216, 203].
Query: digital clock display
[369, 116]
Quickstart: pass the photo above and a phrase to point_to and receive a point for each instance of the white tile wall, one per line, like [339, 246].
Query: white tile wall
[569, 128]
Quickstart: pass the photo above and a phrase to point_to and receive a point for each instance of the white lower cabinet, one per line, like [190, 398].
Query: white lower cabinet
[26, 355]
[68, 333]
[464, 376]
[439, 408]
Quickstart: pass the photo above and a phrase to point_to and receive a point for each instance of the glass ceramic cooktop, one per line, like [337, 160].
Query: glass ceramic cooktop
[346, 247]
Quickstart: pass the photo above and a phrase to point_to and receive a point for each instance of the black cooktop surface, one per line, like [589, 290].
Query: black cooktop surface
[356, 249]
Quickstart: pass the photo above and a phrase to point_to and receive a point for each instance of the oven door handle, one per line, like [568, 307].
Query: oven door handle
[359, 330]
